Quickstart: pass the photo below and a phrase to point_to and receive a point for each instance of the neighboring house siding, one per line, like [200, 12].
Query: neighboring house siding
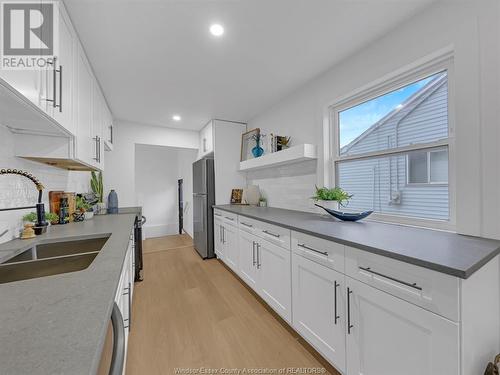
[373, 181]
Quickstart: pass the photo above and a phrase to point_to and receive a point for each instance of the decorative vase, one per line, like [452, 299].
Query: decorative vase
[257, 151]
[331, 205]
[112, 202]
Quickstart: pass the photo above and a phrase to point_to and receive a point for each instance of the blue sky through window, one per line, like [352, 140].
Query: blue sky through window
[356, 120]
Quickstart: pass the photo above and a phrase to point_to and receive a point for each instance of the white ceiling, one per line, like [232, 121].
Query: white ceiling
[156, 58]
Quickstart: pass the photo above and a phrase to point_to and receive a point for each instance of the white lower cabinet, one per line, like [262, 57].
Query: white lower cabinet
[123, 297]
[248, 259]
[364, 313]
[274, 277]
[218, 244]
[230, 244]
[389, 336]
[319, 308]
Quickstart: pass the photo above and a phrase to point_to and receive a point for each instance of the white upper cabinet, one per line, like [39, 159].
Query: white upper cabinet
[63, 109]
[98, 120]
[389, 336]
[85, 144]
[206, 140]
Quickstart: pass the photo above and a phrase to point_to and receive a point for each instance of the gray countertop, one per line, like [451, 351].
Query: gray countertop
[446, 252]
[57, 324]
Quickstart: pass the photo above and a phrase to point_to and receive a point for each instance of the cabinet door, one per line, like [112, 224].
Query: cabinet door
[63, 113]
[319, 308]
[97, 125]
[274, 263]
[218, 245]
[390, 336]
[230, 237]
[248, 258]
[85, 150]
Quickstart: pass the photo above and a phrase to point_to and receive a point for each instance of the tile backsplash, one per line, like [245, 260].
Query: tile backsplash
[289, 187]
[16, 191]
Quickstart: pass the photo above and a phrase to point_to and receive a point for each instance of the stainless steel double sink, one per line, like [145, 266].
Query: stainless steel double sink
[52, 259]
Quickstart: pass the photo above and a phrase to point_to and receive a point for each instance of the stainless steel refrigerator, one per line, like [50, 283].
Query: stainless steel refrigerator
[203, 200]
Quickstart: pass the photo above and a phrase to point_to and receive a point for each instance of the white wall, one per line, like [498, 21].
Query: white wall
[120, 164]
[16, 191]
[471, 28]
[157, 170]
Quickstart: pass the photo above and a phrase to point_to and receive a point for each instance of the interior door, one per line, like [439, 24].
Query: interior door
[390, 336]
[180, 195]
[247, 263]
[319, 308]
[273, 263]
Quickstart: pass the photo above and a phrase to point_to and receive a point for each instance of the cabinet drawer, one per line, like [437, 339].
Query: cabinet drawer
[429, 289]
[218, 213]
[277, 235]
[327, 253]
[249, 225]
[274, 234]
[230, 218]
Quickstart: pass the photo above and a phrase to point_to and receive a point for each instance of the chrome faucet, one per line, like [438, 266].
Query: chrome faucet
[40, 208]
[4, 232]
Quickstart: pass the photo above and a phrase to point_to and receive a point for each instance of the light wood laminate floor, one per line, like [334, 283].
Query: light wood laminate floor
[189, 313]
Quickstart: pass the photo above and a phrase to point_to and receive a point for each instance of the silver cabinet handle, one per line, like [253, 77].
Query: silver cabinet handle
[304, 246]
[223, 235]
[258, 255]
[247, 225]
[229, 218]
[411, 285]
[349, 325]
[336, 285]
[217, 214]
[60, 105]
[271, 233]
[254, 262]
[118, 356]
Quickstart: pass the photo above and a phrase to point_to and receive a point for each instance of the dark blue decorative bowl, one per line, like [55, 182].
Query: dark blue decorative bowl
[346, 216]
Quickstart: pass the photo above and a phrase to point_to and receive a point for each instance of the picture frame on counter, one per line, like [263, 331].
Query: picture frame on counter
[247, 143]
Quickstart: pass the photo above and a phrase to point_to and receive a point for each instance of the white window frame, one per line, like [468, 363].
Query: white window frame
[432, 64]
[429, 182]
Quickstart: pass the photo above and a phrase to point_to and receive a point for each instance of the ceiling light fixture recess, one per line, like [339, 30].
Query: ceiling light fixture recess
[176, 118]
[216, 29]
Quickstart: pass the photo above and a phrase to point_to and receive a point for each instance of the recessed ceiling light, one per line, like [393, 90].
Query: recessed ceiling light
[216, 29]
[176, 118]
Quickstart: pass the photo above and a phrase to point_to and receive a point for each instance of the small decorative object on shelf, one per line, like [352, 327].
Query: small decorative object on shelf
[251, 195]
[346, 216]
[247, 143]
[257, 151]
[331, 198]
[236, 196]
[493, 368]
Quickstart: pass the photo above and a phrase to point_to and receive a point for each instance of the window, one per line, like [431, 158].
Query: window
[427, 167]
[392, 147]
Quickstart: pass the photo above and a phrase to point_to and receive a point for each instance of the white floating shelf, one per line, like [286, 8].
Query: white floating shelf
[294, 154]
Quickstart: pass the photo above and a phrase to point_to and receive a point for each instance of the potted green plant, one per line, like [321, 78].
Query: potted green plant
[84, 207]
[262, 201]
[331, 198]
[97, 187]
[51, 217]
